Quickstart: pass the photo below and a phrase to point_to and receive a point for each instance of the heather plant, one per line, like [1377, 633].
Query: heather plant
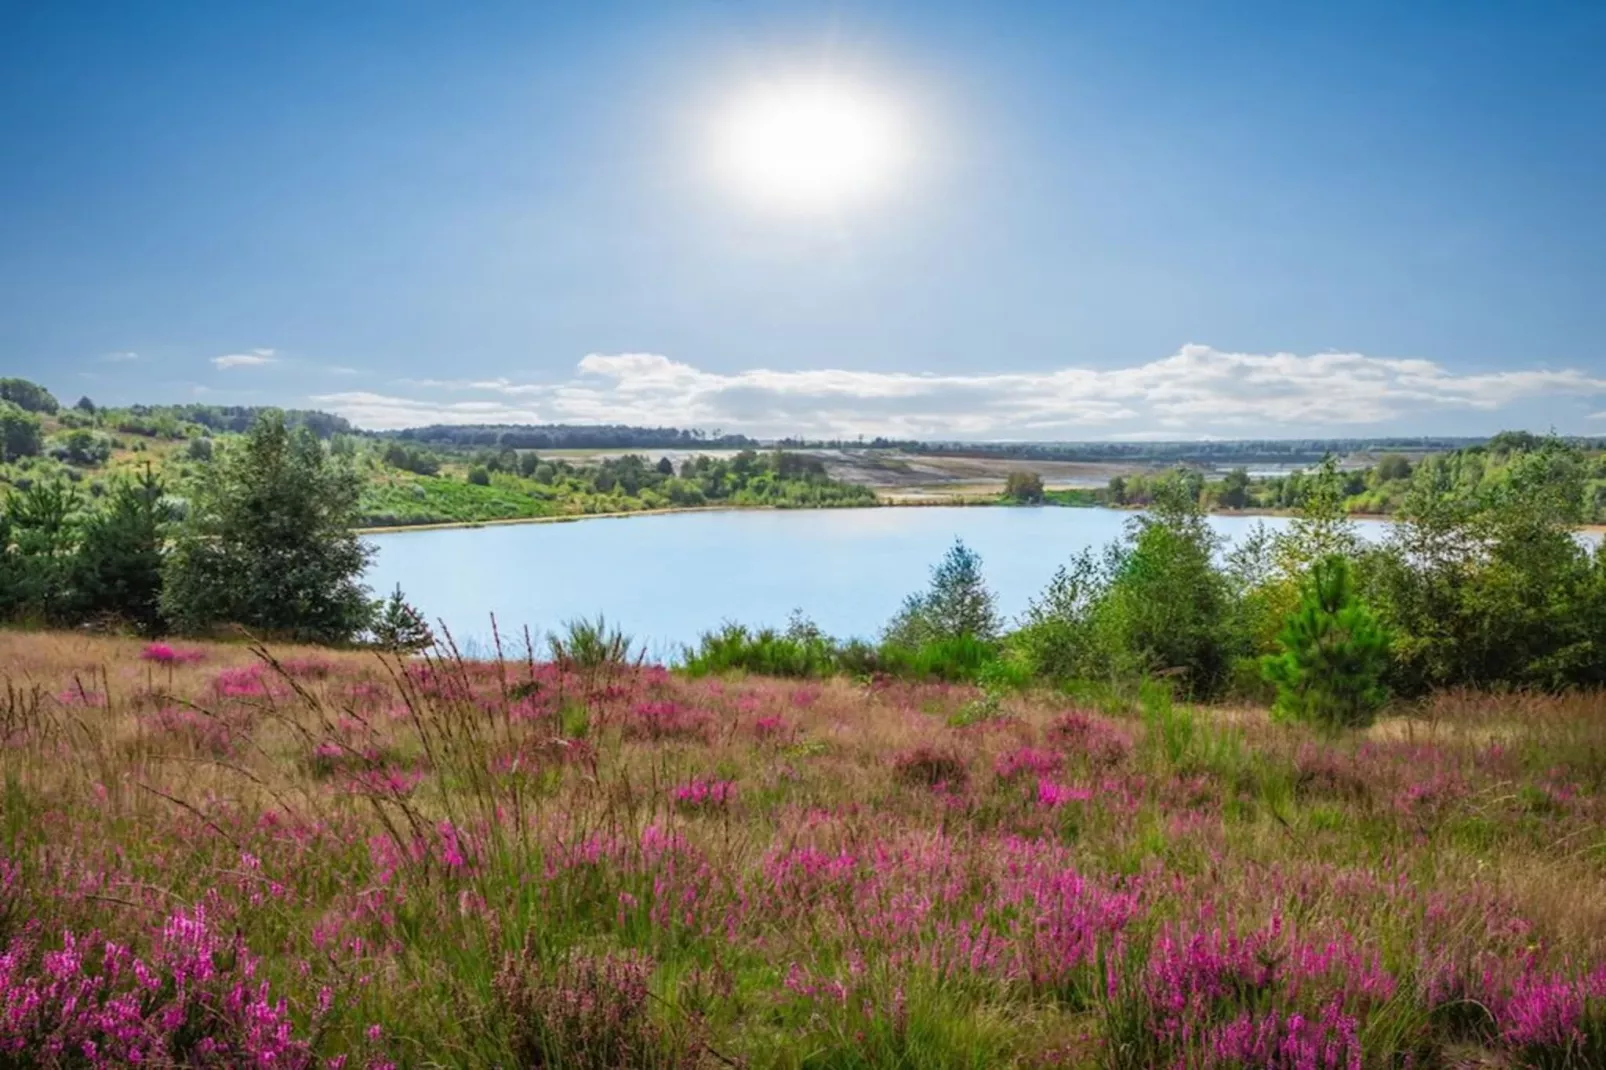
[426, 863]
[1334, 654]
[589, 1012]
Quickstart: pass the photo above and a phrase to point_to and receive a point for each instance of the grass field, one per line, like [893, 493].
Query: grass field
[307, 858]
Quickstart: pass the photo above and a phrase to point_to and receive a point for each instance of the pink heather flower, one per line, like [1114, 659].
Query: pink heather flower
[665, 720]
[123, 1011]
[240, 683]
[159, 652]
[451, 846]
[1052, 795]
[770, 726]
[700, 794]
[1038, 763]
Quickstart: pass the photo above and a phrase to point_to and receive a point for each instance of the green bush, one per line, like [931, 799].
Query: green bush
[269, 542]
[1158, 602]
[1333, 657]
[956, 605]
[764, 652]
[19, 433]
[400, 627]
[1486, 585]
[117, 570]
[28, 396]
[590, 645]
[955, 659]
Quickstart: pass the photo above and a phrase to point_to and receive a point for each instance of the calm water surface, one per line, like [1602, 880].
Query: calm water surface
[666, 579]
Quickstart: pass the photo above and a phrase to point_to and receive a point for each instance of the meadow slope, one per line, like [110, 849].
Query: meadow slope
[313, 858]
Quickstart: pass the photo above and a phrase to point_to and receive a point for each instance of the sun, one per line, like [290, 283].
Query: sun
[810, 144]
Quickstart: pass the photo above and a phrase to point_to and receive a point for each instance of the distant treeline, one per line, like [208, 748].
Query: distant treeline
[1234, 453]
[149, 419]
[563, 436]
[1256, 451]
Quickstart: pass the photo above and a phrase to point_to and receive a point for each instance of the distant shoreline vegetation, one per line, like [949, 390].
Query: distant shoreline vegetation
[1481, 583]
[466, 475]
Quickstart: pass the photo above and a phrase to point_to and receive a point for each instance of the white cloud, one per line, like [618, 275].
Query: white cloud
[120, 356]
[1196, 392]
[255, 358]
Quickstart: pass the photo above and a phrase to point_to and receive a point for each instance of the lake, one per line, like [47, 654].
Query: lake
[666, 579]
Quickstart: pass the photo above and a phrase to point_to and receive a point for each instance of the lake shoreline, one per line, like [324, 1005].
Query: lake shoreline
[973, 503]
[569, 518]
[953, 503]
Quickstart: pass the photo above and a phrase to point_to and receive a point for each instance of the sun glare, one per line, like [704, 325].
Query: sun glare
[810, 145]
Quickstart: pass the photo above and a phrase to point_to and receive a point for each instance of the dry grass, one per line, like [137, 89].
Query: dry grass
[399, 843]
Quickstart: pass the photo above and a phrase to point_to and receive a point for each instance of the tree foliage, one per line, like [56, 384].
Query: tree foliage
[19, 432]
[1024, 487]
[43, 537]
[268, 543]
[116, 572]
[399, 626]
[30, 397]
[957, 604]
[1333, 654]
[1488, 585]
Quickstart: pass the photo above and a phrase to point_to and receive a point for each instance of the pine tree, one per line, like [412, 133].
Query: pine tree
[1334, 654]
[43, 537]
[956, 604]
[117, 571]
[401, 627]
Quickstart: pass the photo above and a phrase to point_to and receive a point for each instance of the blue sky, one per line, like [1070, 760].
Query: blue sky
[1150, 219]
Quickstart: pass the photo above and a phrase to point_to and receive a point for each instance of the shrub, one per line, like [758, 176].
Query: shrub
[19, 433]
[1056, 638]
[117, 571]
[930, 767]
[591, 644]
[590, 1012]
[1168, 607]
[956, 659]
[30, 397]
[1489, 587]
[1334, 654]
[1024, 487]
[957, 604]
[801, 651]
[400, 627]
[269, 542]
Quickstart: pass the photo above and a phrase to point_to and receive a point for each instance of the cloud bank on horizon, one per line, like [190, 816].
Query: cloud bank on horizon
[1199, 391]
